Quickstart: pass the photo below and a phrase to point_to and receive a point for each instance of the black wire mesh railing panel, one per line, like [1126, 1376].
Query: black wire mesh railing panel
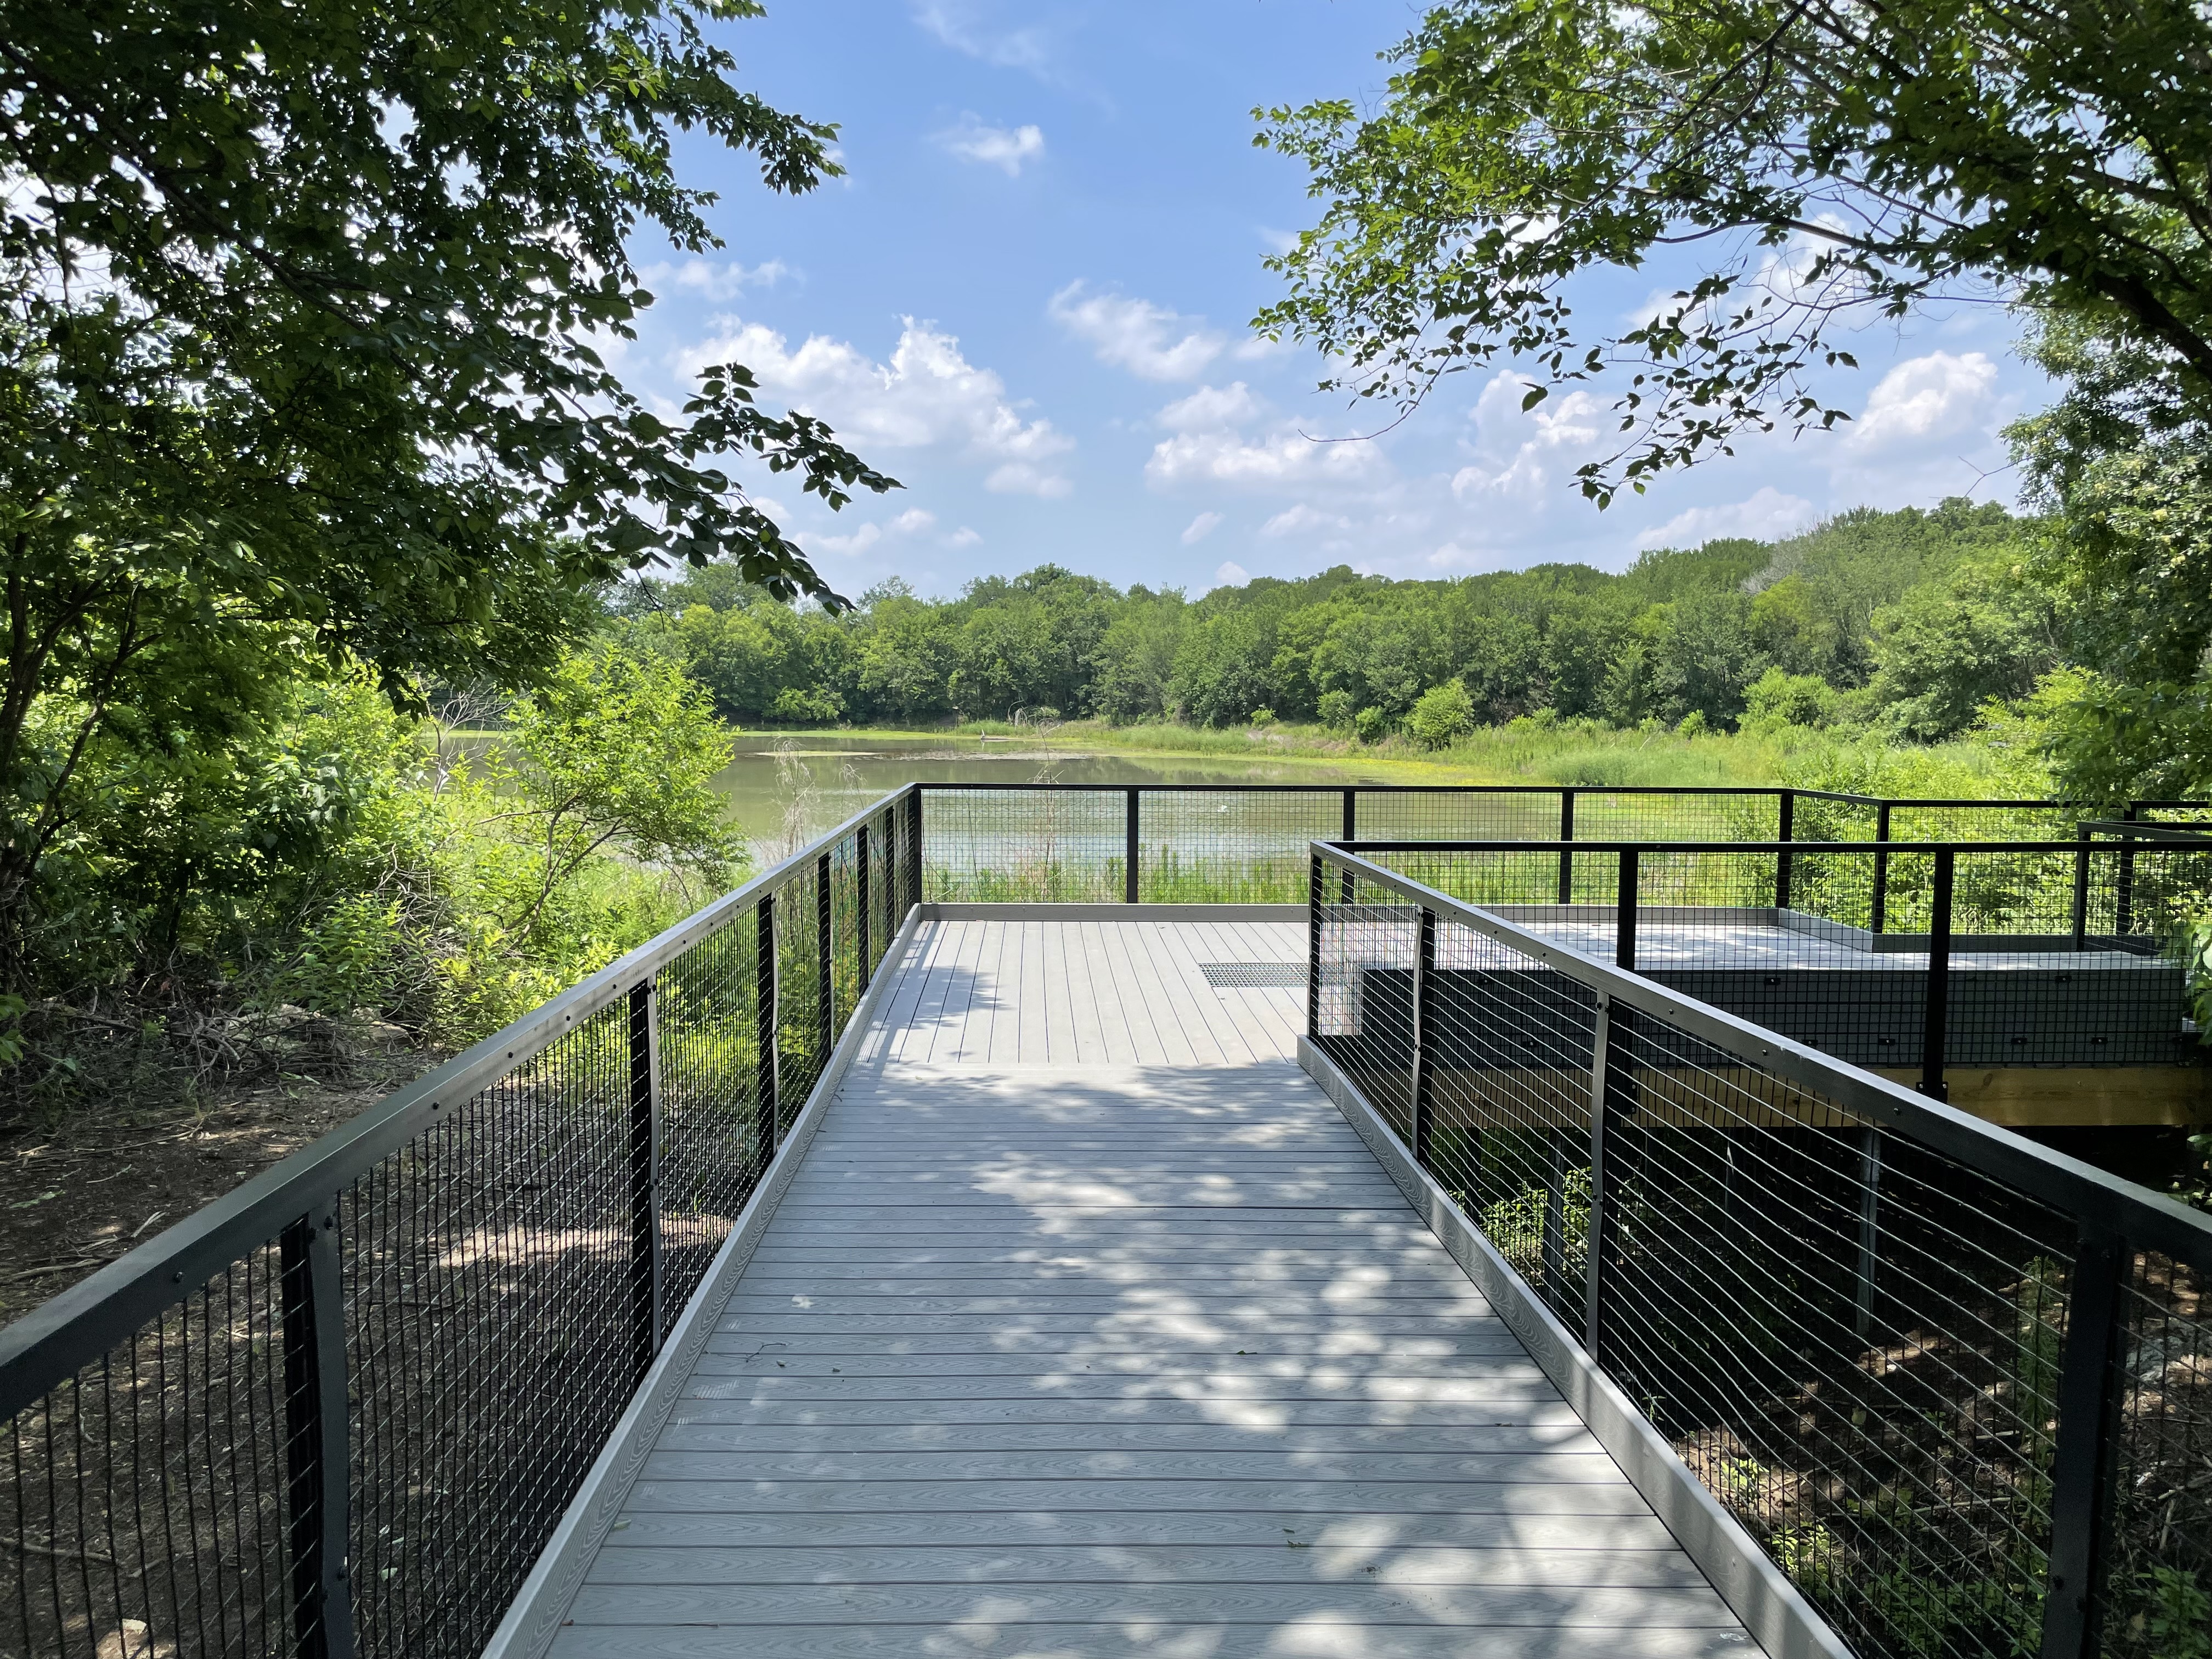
[802, 1020]
[1816, 816]
[491, 1290]
[146, 1500]
[1457, 814]
[1632, 815]
[1510, 1043]
[2157, 1592]
[714, 1142]
[1570, 884]
[1997, 820]
[1366, 938]
[1854, 1342]
[1230, 846]
[1038, 845]
[357, 1439]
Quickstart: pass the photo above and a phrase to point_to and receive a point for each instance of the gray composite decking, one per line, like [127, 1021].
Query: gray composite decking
[1089, 1326]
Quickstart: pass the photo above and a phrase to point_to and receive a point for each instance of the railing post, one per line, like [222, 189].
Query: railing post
[2124, 907]
[2082, 1465]
[1350, 833]
[1313, 948]
[1425, 968]
[1786, 822]
[826, 978]
[1870, 1230]
[1129, 857]
[1881, 869]
[1566, 859]
[1933, 1034]
[766, 1018]
[1600, 1204]
[316, 1414]
[1624, 923]
[645, 1265]
[913, 846]
[860, 898]
[2082, 888]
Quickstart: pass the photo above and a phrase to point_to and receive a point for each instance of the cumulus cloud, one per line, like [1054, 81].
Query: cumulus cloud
[963, 536]
[1303, 521]
[1229, 573]
[963, 28]
[1026, 478]
[1524, 456]
[721, 281]
[1200, 528]
[926, 396]
[1007, 148]
[1767, 516]
[1150, 341]
[912, 522]
[1208, 444]
[1925, 400]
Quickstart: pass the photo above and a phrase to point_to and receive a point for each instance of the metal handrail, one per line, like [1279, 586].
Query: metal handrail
[53, 1341]
[2082, 1189]
[2113, 1221]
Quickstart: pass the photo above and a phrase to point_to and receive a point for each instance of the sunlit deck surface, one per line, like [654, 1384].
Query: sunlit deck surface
[1089, 1326]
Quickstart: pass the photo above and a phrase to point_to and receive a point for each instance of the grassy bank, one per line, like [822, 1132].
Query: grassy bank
[1987, 762]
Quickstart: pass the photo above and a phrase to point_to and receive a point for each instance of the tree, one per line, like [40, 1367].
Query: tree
[1832, 161]
[617, 750]
[300, 312]
[1947, 648]
[1440, 714]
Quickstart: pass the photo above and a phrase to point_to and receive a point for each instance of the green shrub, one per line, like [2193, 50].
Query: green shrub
[1440, 714]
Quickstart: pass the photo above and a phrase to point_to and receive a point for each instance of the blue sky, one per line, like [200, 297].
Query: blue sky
[1028, 302]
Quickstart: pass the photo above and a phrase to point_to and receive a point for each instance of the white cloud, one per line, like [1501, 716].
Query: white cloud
[1304, 520]
[1208, 445]
[963, 537]
[1767, 516]
[1136, 334]
[858, 541]
[912, 522]
[927, 396]
[1526, 456]
[1007, 148]
[721, 281]
[1212, 408]
[1026, 478]
[958, 26]
[1927, 400]
[1200, 528]
[1230, 573]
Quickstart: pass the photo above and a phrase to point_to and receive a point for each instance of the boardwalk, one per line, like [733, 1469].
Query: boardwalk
[1088, 1327]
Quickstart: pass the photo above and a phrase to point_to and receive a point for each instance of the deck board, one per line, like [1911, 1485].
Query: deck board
[1088, 1328]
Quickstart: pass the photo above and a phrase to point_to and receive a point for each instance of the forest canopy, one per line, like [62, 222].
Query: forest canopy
[1913, 618]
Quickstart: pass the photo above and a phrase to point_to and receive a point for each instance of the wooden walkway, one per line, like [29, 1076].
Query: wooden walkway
[1088, 1327]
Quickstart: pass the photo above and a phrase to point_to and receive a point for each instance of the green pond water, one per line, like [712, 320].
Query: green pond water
[785, 789]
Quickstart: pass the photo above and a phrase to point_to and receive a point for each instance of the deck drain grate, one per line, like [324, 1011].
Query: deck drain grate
[1247, 975]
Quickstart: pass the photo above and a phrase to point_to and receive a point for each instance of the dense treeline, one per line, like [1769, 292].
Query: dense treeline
[1915, 618]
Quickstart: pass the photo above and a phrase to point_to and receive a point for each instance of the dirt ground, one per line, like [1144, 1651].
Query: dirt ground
[79, 1192]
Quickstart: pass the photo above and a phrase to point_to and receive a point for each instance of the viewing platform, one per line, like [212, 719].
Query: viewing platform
[1070, 1223]
[1087, 1325]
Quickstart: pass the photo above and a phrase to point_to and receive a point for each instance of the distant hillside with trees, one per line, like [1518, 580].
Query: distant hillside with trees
[1914, 619]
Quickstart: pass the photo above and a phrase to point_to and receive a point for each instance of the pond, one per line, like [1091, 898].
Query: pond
[786, 788]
